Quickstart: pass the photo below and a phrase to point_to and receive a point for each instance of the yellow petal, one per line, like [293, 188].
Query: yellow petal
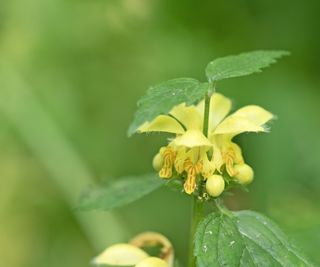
[121, 255]
[192, 138]
[188, 116]
[225, 152]
[190, 184]
[208, 166]
[217, 157]
[254, 114]
[234, 125]
[180, 159]
[162, 123]
[220, 106]
[152, 262]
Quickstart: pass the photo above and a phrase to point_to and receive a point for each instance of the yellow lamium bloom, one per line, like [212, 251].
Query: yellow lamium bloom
[132, 255]
[122, 255]
[152, 262]
[247, 119]
[188, 151]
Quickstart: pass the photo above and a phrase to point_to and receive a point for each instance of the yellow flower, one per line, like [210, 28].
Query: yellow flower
[223, 128]
[132, 255]
[188, 151]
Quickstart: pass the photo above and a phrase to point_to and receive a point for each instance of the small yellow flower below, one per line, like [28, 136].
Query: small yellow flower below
[152, 262]
[132, 254]
[121, 254]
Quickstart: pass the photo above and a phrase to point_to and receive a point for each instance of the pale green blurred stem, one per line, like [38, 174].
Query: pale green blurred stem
[52, 148]
[197, 212]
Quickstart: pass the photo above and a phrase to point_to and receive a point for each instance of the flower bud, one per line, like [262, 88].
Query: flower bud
[152, 262]
[157, 162]
[121, 254]
[215, 185]
[244, 173]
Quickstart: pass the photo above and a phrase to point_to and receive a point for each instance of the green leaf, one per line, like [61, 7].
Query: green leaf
[120, 193]
[245, 239]
[242, 64]
[161, 98]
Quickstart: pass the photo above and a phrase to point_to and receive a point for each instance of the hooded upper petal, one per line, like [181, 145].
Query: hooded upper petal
[220, 106]
[189, 116]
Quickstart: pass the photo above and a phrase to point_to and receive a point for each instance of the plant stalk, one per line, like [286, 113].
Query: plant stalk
[197, 212]
[197, 215]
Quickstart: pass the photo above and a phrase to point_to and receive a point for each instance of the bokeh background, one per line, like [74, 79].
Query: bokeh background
[71, 72]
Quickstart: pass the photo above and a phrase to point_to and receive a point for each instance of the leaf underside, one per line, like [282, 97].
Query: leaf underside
[246, 239]
[242, 64]
[119, 193]
[161, 98]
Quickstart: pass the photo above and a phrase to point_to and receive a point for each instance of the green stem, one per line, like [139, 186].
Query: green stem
[198, 203]
[206, 114]
[197, 215]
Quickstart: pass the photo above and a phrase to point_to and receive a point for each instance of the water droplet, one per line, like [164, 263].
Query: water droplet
[209, 232]
[173, 94]
[231, 243]
[265, 223]
[205, 248]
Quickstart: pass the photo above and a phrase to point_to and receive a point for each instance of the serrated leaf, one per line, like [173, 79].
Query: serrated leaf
[246, 239]
[120, 193]
[242, 64]
[161, 98]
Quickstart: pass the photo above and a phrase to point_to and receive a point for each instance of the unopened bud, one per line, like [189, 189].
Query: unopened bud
[157, 162]
[121, 254]
[215, 185]
[244, 173]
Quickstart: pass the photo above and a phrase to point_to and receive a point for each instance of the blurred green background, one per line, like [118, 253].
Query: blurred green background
[71, 72]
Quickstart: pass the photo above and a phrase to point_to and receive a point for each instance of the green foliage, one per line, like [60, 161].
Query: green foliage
[243, 238]
[242, 64]
[161, 98]
[120, 193]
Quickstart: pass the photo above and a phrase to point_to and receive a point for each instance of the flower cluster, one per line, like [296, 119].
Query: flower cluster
[210, 157]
